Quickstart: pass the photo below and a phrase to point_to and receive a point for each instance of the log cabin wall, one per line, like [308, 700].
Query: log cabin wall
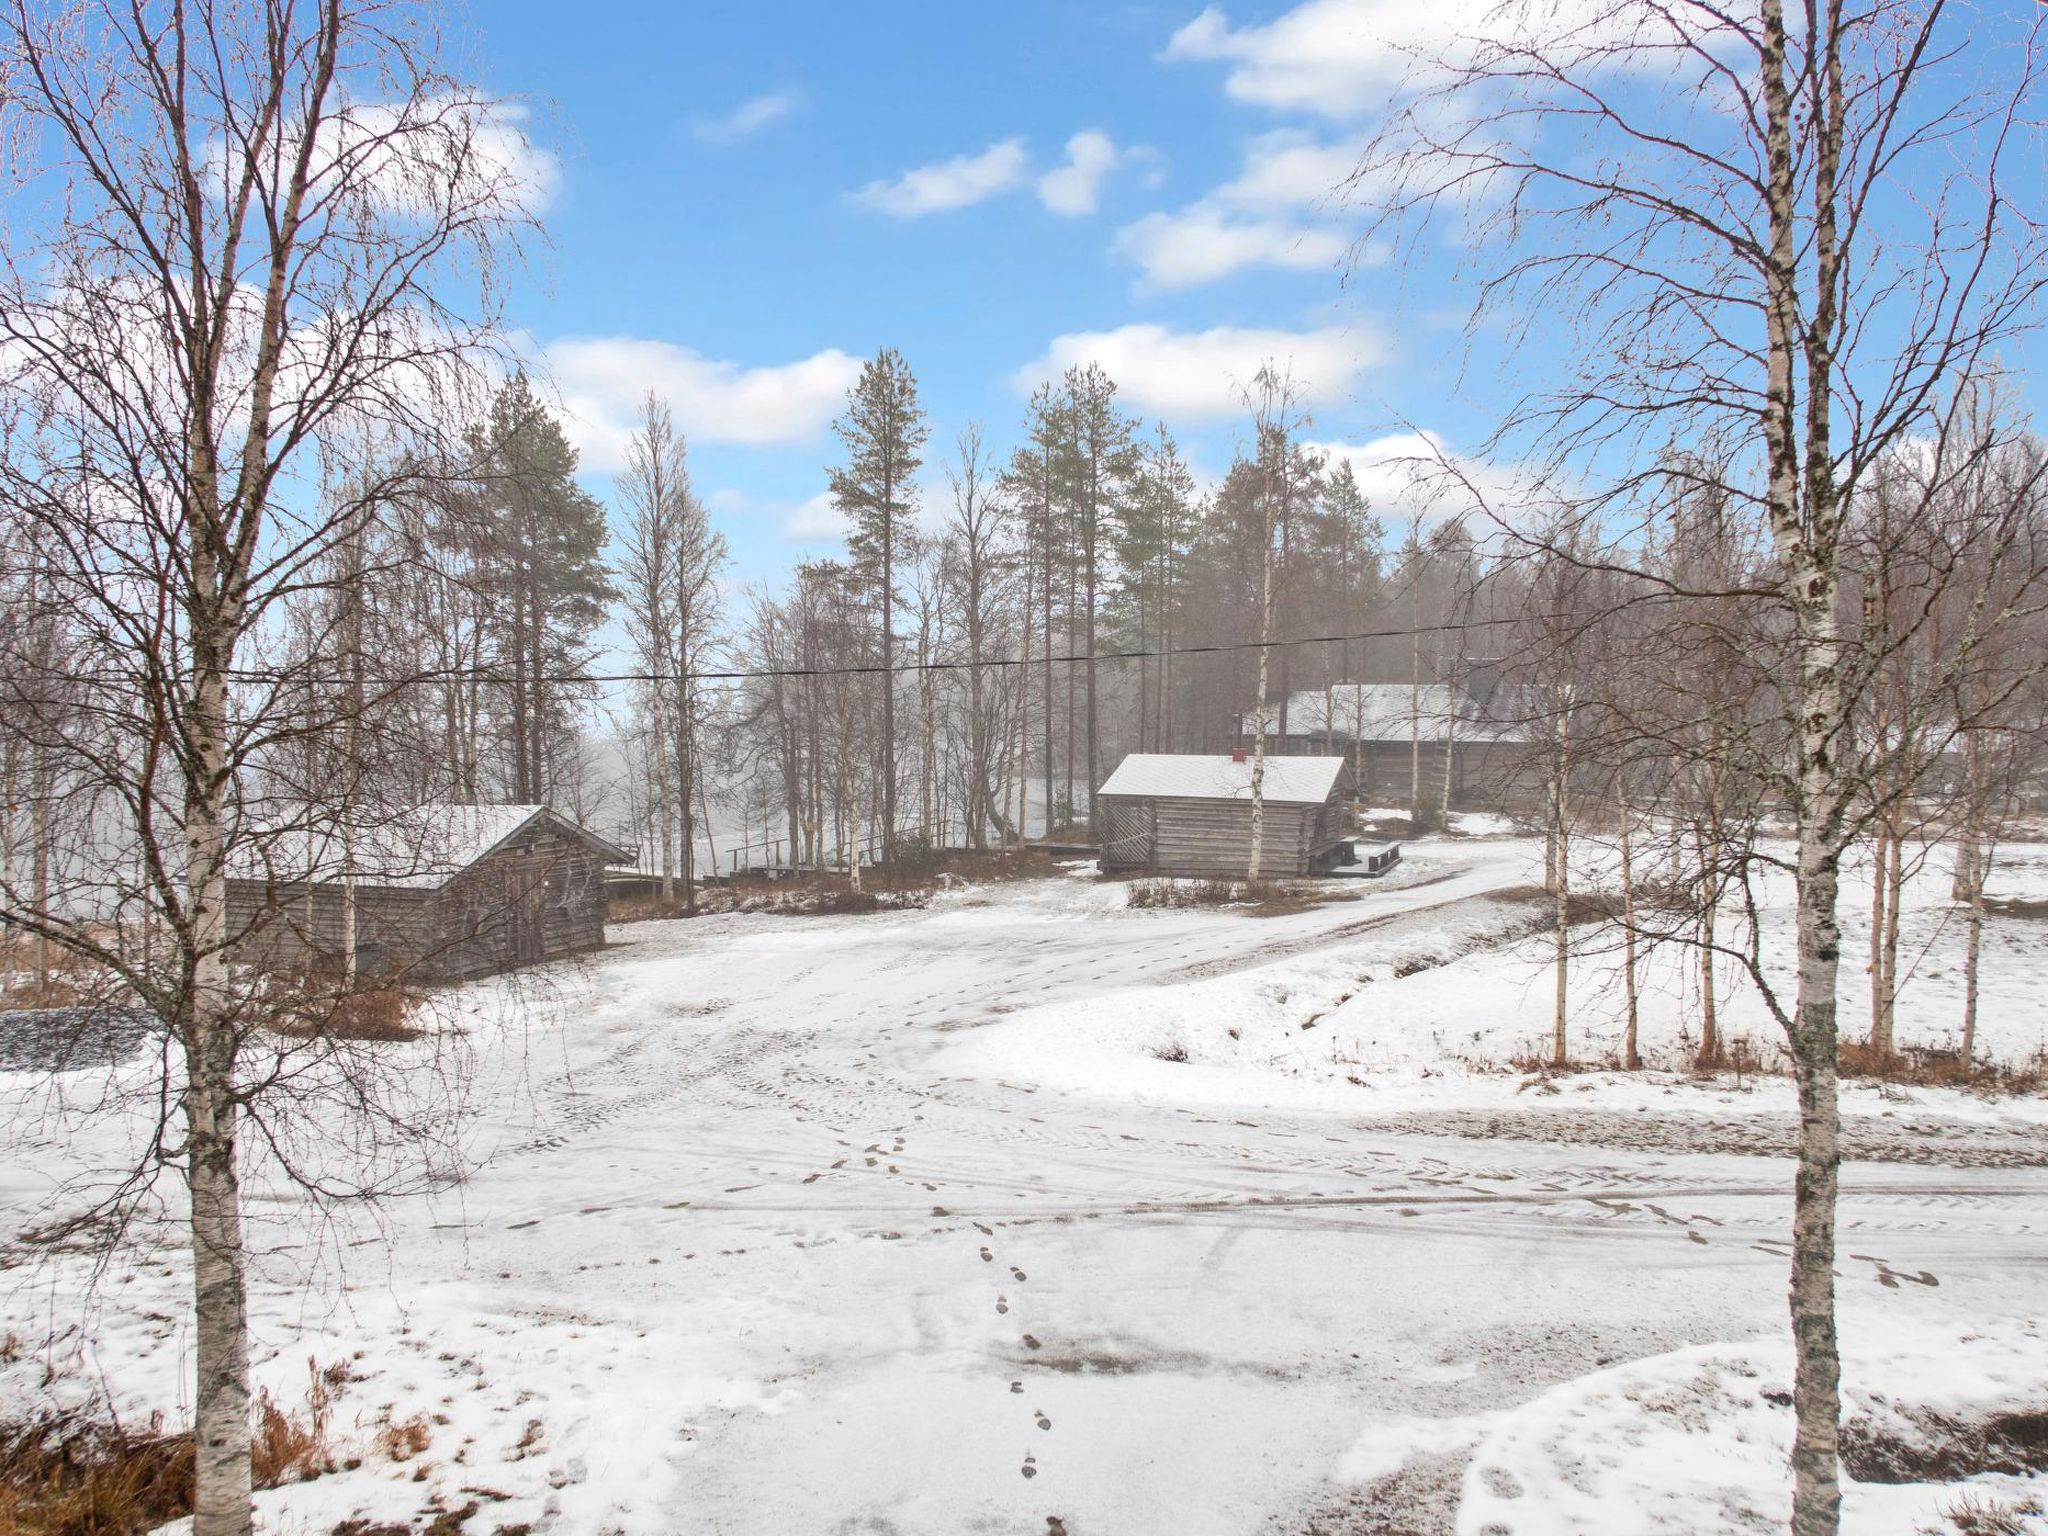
[1212, 839]
[539, 897]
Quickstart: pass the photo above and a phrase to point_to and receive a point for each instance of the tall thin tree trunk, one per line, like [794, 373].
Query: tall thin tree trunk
[1882, 1034]
[1259, 708]
[1561, 958]
[1879, 889]
[221, 1401]
[1631, 1055]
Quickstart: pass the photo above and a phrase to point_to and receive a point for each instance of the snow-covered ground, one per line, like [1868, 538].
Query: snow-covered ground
[910, 1223]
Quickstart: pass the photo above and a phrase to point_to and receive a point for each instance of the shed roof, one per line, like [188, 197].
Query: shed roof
[421, 848]
[1175, 776]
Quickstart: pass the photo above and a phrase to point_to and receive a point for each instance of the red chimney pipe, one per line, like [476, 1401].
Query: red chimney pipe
[1240, 755]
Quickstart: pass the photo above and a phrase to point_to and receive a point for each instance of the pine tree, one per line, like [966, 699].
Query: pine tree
[1102, 463]
[539, 538]
[883, 430]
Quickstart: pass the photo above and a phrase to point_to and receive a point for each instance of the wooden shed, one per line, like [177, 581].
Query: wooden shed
[1168, 814]
[440, 892]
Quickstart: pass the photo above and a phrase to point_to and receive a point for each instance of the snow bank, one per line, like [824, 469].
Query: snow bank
[1698, 1441]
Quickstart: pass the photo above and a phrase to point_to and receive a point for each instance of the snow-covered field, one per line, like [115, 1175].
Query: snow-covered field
[914, 1223]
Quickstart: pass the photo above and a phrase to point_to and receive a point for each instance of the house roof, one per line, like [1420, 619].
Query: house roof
[422, 848]
[1386, 712]
[1174, 776]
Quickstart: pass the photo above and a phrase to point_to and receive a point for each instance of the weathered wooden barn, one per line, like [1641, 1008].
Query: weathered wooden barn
[439, 893]
[1383, 730]
[1167, 814]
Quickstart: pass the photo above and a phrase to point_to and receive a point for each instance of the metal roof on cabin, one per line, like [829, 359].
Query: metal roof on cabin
[1175, 776]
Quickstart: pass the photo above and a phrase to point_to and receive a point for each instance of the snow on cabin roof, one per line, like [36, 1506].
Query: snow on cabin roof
[1384, 712]
[1174, 776]
[422, 848]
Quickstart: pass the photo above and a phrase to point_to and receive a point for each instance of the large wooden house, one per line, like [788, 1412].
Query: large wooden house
[1171, 814]
[440, 892]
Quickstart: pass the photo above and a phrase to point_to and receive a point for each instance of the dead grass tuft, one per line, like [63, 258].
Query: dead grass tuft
[403, 1439]
[1985, 1517]
[1932, 1067]
[79, 1475]
[67, 1475]
[374, 1013]
[56, 992]
[1173, 1052]
[1580, 906]
[1263, 898]
[287, 1448]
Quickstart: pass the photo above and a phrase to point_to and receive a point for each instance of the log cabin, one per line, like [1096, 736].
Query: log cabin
[437, 893]
[1191, 816]
[1388, 734]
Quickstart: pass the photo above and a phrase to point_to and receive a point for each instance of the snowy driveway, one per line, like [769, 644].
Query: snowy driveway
[751, 1253]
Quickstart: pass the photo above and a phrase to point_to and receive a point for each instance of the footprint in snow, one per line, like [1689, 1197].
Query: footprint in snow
[1017, 1272]
[1017, 1387]
[986, 1256]
[1030, 1467]
[1002, 1304]
[1043, 1421]
[1031, 1342]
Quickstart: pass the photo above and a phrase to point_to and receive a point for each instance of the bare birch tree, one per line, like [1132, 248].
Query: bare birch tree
[252, 231]
[1752, 273]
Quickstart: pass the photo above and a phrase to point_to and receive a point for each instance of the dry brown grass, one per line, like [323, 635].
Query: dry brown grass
[78, 1475]
[57, 992]
[66, 1475]
[1923, 1068]
[376, 1011]
[403, 1439]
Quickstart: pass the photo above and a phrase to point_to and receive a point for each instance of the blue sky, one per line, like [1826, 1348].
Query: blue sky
[749, 199]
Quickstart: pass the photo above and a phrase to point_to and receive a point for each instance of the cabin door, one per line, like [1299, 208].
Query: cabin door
[1126, 833]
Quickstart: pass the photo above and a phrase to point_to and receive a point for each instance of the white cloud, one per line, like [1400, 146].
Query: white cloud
[1255, 220]
[1076, 187]
[1190, 375]
[1289, 169]
[1329, 56]
[815, 519]
[1202, 243]
[1341, 58]
[746, 119]
[957, 183]
[603, 379]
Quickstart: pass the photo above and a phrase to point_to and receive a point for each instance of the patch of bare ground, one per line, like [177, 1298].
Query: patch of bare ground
[2017, 906]
[1925, 1447]
[1920, 1140]
[1420, 1499]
